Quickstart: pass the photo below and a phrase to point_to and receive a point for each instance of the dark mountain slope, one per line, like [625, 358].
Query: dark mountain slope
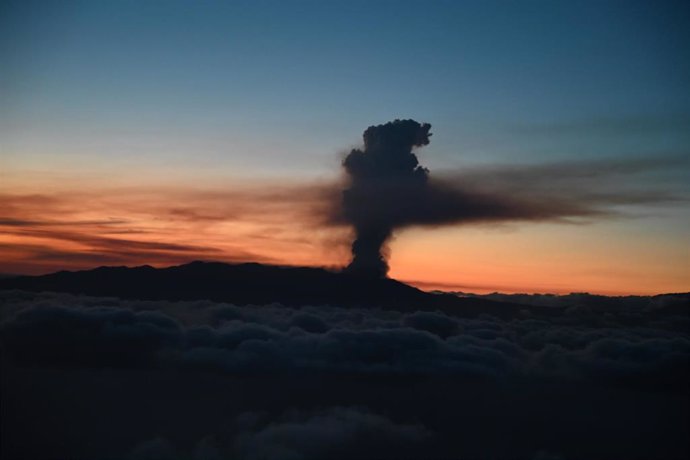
[253, 283]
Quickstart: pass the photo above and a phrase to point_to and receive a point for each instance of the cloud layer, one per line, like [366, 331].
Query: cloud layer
[637, 344]
[207, 380]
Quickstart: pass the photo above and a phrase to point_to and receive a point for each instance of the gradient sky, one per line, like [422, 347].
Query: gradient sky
[161, 132]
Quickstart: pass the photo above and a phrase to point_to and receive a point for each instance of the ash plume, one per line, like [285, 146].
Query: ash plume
[386, 162]
[388, 190]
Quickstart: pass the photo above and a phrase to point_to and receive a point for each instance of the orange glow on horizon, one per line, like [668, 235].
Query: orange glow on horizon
[540, 258]
[284, 224]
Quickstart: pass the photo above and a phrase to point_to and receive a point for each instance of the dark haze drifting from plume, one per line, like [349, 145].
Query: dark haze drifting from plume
[388, 190]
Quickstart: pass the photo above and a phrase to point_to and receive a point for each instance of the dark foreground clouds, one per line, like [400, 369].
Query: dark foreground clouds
[334, 432]
[631, 345]
[209, 380]
[339, 432]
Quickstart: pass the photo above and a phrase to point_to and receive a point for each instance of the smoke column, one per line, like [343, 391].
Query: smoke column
[386, 163]
[388, 190]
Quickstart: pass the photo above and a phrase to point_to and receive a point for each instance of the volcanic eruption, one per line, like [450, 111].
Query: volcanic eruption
[385, 164]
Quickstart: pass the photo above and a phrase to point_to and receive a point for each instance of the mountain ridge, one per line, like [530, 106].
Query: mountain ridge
[254, 283]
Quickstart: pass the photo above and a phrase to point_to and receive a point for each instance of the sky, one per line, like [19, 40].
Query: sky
[163, 132]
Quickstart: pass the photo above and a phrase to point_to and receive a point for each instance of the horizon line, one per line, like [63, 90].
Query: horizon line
[426, 286]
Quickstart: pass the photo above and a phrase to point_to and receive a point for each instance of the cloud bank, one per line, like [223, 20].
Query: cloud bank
[207, 380]
[638, 344]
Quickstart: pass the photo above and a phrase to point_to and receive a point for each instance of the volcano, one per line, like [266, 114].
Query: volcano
[258, 284]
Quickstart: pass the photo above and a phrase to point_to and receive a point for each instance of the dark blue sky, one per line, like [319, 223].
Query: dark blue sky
[283, 85]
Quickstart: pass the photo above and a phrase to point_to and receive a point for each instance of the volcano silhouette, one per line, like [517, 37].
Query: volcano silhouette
[256, 284]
